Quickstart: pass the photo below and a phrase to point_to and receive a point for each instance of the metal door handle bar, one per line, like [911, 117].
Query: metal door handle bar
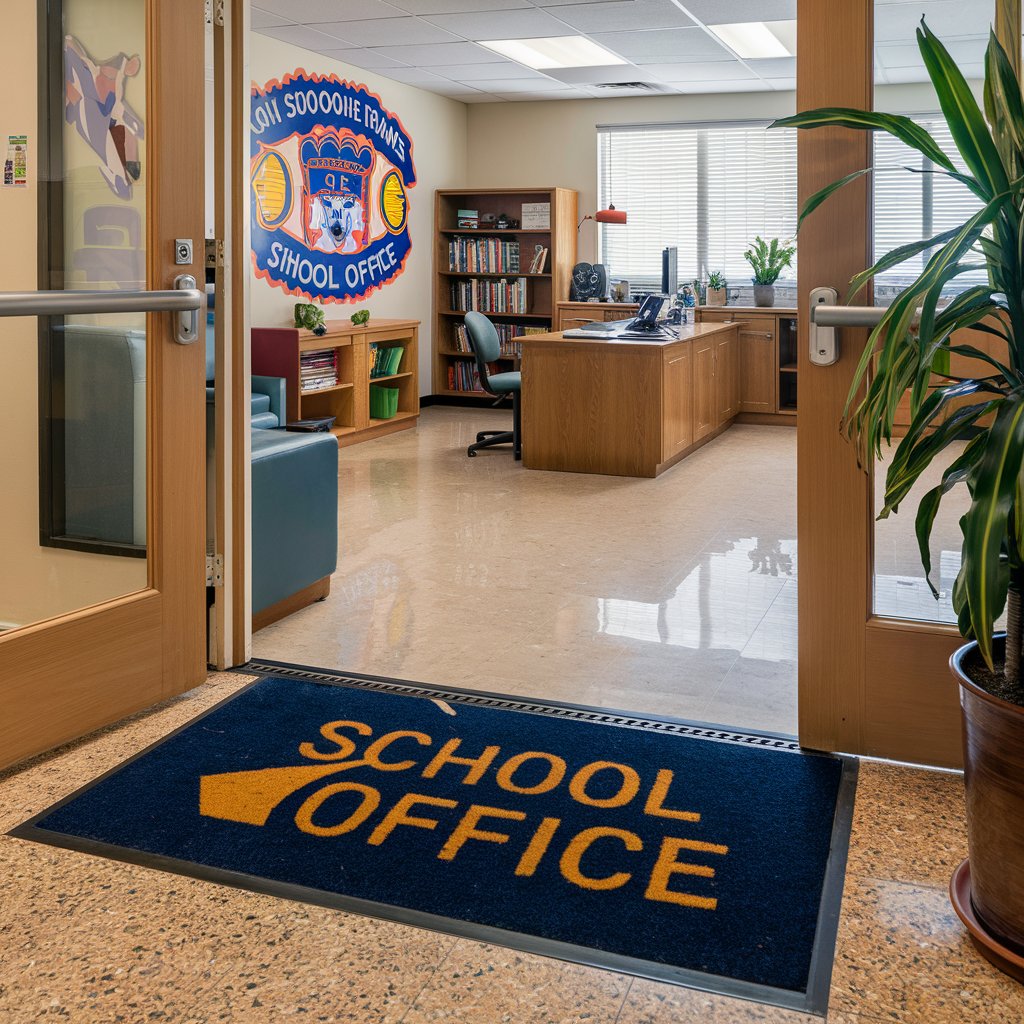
[846, 316]
[61, 303]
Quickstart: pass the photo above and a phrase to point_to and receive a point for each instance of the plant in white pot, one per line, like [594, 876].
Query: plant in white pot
[977, 424]
[767, 261]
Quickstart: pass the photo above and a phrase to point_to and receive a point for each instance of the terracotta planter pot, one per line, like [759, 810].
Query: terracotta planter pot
[993, 735]
[716, 297]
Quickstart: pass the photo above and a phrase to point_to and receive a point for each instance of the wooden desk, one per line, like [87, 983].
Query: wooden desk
[626, 408]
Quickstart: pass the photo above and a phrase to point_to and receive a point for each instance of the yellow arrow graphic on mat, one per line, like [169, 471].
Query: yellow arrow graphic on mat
[249, 797]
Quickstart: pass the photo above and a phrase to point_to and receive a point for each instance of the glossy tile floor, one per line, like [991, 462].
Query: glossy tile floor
[673, 596]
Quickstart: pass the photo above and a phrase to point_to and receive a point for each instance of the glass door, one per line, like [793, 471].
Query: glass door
[101, 546]
[874, 642]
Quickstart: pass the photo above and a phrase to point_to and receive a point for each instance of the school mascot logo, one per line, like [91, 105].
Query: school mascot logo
[330, 174]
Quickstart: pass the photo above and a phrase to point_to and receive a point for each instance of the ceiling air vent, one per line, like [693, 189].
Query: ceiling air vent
[631, 86]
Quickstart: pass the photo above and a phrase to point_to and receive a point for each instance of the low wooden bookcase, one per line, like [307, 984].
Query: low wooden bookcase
[277, 352]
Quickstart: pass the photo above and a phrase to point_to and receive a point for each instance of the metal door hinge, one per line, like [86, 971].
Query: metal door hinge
[215, 252]
[215, 12]
[215, 570]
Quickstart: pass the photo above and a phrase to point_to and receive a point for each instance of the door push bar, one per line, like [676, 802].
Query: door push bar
[826, 316]
[184, 298]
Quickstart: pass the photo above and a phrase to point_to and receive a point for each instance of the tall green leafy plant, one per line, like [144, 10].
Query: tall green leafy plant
[768, 261]
[910, 349]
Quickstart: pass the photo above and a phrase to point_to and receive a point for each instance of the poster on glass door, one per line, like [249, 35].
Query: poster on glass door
[330, 173]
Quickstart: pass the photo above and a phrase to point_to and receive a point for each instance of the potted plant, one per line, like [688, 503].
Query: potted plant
[767, 262]
[716, 295]
[909, 351]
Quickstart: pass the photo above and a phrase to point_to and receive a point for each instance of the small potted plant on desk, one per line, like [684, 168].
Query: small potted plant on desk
[716, 293]
[978, 423]
[767, 262]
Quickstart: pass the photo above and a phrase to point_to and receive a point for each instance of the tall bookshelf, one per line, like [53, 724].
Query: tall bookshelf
[541, 290]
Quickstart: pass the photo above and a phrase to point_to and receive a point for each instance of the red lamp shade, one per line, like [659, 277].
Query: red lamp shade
[610, 216]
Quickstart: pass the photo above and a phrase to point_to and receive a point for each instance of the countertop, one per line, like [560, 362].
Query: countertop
[765, 310]
[686, 332]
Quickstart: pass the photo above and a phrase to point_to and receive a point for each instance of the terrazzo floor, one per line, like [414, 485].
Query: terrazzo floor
[645, 600]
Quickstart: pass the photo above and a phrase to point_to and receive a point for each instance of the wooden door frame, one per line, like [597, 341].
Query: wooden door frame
[230, 616]
[868, 684]
[66, 676]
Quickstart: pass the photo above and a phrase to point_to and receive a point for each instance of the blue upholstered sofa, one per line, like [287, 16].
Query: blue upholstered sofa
[294, 502]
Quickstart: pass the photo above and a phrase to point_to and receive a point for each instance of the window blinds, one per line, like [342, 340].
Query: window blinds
[706, 189]
[709, 189]
[910, 206]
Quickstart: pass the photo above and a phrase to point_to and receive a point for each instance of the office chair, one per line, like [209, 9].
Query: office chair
[486, 347]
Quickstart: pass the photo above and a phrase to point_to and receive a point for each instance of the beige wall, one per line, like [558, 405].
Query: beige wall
[438, 129]
[554, 142]
[35, 582]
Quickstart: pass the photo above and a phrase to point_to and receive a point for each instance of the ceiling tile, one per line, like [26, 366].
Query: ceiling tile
[369, 59]
[774, 67]
[304, 12]
[617, 73]
[389, 32]
[700, 71]
[530, 24]
[948, 19]
[310, 39]
[458, 6]
[511, 85]
[782, 84]
[520, 97]
[474, 72]
[439, 54]
[668, 46]
[266, 19]
[413, 76]
[963, 51]
[727, 12]
[446, 88]
[480, 97]
[620, 15]
[750, 85]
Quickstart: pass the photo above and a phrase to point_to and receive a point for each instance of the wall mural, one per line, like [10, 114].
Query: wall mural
[330, 173]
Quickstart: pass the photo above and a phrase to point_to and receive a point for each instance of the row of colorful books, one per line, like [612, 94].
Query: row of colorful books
[318, 370]
[464, 376]
[483, 255]
[501, 296]
[385, 360]
[510, 349]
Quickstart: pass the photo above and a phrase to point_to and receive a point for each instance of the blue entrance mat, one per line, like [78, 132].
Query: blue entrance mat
[672, 850]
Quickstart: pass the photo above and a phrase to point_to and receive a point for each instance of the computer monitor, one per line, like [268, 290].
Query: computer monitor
[670, 271]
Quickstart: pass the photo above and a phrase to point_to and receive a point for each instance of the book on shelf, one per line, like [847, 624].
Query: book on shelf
[540, 260]
[465, 376]
[483, 256]
[485, 296]
[507, 333]
[385, 360]
[318, 369]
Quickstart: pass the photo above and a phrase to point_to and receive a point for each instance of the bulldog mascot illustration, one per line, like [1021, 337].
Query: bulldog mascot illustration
[94, 103]
[336, 173]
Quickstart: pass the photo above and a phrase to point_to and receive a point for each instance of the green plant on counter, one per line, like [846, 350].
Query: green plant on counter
[310, 317]
[768, 260]
[910, 348]
[360, 317]
[716, 279]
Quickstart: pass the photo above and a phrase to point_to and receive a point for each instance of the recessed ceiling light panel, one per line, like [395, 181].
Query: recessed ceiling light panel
[554, 52]
[757, 40]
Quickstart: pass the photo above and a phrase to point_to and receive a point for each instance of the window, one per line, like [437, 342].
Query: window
[706, 189]
[910, 206]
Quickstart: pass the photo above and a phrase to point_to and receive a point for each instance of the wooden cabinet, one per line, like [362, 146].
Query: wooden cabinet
[766, 357]
[569, 315]
[727, 377]
[279, 351]
[677, 400]
[705, 400]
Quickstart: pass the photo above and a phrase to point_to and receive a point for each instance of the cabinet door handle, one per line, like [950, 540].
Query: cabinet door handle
[757, 334]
